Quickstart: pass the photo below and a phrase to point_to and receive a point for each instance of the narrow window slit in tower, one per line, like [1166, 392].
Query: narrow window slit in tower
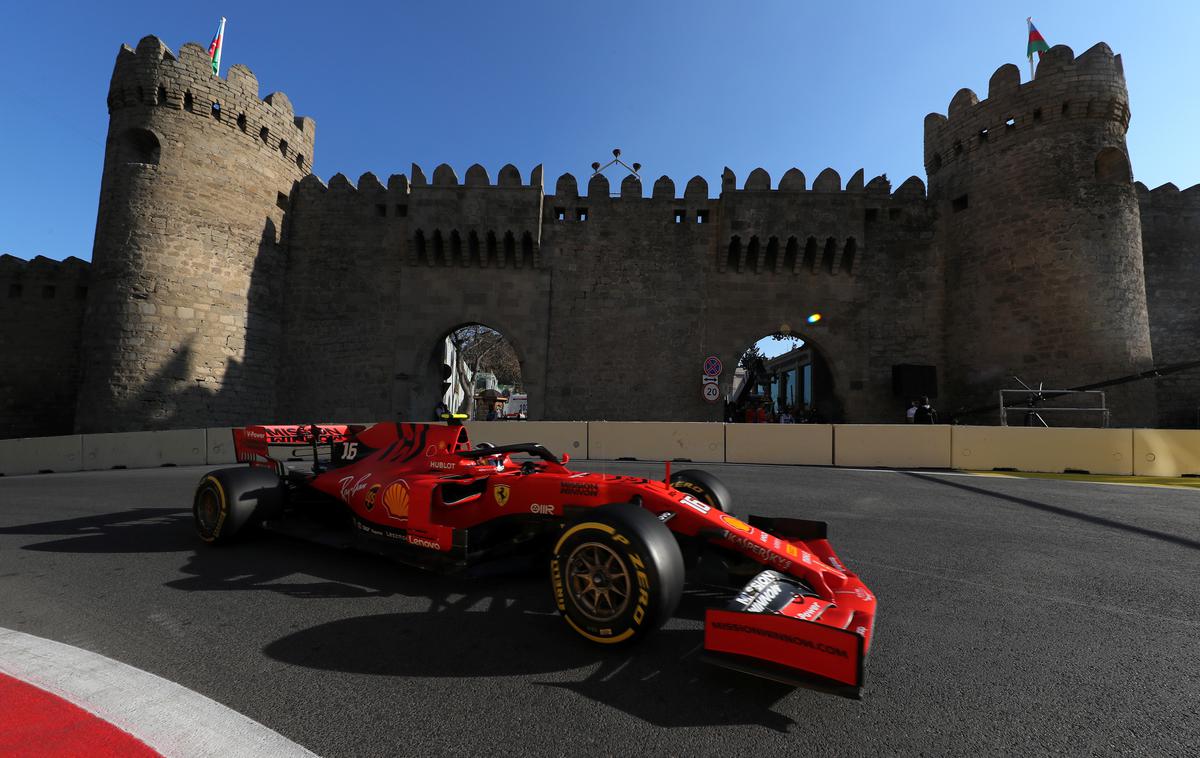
[300, 160]
[48, 291]
[1010, 123]
[1037, 114]
[983, 135]
[14, 289]
[216, 110]
[702, 217]
[560, 214]
[894, 214]
[381, 210]
[960, 203]
[187, 101]
[264, 134]
[283, 147]
[281, 200]
[581, 214]
[958, 148]
[680, 216]
[241, 121]
[81, 292]
[401, 210]
[162, 95]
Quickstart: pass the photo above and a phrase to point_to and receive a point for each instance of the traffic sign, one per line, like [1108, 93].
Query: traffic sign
[709, 379]
[712, 366]
[712, 392]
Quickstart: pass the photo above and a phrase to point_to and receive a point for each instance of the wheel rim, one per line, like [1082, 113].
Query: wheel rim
[208, 511]
[598, 581]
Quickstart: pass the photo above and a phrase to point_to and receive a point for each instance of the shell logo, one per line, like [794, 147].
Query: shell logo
[395, 500]
[737, 524]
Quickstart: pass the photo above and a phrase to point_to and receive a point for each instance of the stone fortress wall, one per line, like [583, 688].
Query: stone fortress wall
[230, 285]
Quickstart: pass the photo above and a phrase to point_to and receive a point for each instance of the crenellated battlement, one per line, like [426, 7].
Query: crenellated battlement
[1065, 88]
[43, 279]
[152, 76]
[1168, 196]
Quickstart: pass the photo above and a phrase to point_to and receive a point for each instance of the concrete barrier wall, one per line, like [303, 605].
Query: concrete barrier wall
[1097, 451]
[570, 437]
[219, 441]
[797, 444]
[1166, 452]
[892, 445]
[33, 455]
[180, 447]
[656, 440]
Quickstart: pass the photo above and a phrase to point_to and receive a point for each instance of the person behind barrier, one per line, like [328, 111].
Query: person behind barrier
[912, 410]
[925, 414]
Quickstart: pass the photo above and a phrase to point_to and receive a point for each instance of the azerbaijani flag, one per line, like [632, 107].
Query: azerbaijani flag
[214, 48]
[1036, 42]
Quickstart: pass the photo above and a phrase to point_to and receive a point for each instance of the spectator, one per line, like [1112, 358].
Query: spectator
[760, 415]
[912, 410]
[491, 414]
[925, 414]
[785, 417]
[441, 412]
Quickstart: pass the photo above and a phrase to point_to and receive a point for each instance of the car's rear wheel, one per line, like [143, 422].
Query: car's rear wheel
[705, 487]
[617, 574]
[231, 500]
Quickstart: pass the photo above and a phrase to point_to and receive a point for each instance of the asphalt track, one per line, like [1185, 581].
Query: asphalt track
[1016, 615]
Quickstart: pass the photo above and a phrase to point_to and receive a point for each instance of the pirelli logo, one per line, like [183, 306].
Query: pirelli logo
[790, 639]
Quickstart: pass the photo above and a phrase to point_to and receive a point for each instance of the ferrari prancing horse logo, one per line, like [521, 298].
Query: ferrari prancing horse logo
[501, 493]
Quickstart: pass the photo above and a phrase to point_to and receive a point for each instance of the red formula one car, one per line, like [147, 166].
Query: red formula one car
[618, 547]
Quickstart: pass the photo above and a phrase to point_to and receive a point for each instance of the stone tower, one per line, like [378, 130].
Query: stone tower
[182, 326]
[1040, 229]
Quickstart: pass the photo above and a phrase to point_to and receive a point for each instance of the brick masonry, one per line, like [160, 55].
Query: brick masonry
[230, 285]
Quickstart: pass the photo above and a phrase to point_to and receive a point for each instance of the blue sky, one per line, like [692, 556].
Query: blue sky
[684, 88]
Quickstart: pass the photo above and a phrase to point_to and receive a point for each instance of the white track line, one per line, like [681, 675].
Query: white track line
[170, 718]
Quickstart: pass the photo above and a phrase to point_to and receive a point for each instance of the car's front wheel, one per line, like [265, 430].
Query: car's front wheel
[617, 574]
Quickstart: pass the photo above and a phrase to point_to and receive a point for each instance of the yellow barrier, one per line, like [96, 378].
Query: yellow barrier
[179, 447]
[36, 454]
[656, 440]
[1166, 452]
[219, 445]
[797, 444]
[1054, 450]
[558, 437]
[892, 445]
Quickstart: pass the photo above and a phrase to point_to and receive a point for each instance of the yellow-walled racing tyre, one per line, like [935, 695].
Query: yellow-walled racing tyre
[617, 574]
[705, 487]
[229, 501]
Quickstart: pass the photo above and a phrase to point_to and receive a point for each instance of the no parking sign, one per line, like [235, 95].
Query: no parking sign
[712, 366]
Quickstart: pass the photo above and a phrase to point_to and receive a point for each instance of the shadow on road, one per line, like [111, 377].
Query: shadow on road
[141, 530]
[503, 625]
[1058, 511]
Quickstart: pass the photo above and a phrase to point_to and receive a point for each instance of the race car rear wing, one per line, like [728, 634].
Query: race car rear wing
[270, 446]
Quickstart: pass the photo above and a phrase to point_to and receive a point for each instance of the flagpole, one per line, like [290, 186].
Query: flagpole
[1028, 26]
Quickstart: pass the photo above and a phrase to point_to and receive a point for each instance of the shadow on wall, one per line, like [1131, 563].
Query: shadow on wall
[190, 390]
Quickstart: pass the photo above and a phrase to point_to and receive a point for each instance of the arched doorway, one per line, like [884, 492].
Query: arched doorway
[481, 375]
[781, 377]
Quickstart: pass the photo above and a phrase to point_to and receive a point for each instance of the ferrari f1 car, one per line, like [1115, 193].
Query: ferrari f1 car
[618, 547]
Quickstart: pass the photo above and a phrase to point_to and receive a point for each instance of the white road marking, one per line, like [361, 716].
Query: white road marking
[168, 717]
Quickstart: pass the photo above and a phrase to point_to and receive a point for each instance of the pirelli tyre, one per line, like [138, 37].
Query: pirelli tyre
[228, 501]
[617, 574]
[705, 487]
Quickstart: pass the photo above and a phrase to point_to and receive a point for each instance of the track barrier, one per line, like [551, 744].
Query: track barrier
[1054, 450]
[657, 441]
[570, 437]
[1166, 452]
[892, 445]
[1122, 452]
[795, 444]
[35, 455]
